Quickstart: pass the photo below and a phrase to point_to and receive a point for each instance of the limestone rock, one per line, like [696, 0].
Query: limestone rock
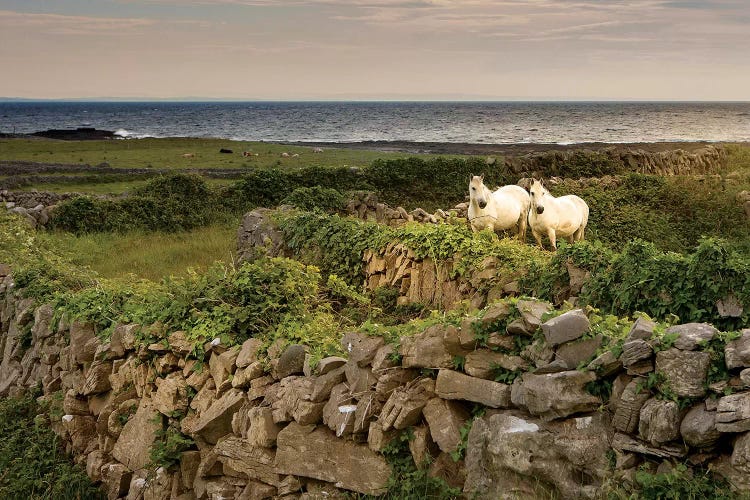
[294, 403]
[137, 436]
[642, 329]
[171, 395]
[359, 379]
[222, 365]
[532, 312]
[255, 462]
[628, 408]
[634, 351]
[83, 342]
[733, 413]
[685, 371]
[623, 442]
[291, 361]
[361, 347]
[605, 364]
[566, 327]
[422, 447]
[248, 352]
[455, 385]
[392, 379]
[555, 395]
[691, 335]
[325, 383]
[329, 364]
[575, 353]
[405, 405]
[377, 438]
[698, 427]
[179, 343]
[42, 327]
[445, 419]
[483, 363]
[737, 352]
[244, 376]
[426, 350]
[73, 405]
[316, 452]
[116, 478]
[216, 420]
[659, 422]
[509, 455]
[741, 453]
[338, 412]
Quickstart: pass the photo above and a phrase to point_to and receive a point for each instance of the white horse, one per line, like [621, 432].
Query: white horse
[502, 209]
[565, 216]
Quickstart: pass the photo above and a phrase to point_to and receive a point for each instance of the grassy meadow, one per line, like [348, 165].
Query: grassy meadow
[168, 153]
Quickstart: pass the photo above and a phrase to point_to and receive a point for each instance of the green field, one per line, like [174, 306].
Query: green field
[168, 153]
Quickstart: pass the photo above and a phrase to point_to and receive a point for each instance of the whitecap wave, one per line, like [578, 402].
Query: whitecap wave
[126, 134]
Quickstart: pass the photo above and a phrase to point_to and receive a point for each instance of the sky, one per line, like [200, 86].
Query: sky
[376, 50]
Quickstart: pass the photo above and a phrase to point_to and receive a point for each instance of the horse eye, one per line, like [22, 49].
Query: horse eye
[473, 189]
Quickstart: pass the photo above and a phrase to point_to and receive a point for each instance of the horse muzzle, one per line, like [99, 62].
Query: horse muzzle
[539, 210]
[482, 204]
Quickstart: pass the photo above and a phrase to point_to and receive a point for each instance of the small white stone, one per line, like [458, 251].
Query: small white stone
[67, 418]
[215, 342]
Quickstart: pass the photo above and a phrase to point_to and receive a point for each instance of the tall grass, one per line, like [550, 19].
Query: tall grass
[150, 255]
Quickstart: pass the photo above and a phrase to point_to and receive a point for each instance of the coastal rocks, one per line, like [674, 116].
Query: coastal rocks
[454, 385]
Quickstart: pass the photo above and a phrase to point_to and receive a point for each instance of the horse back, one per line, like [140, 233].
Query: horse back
[578, 209]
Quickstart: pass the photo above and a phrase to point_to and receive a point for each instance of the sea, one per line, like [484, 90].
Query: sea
[452, 122]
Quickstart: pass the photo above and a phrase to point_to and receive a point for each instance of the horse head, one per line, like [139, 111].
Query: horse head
[537, 191]
[477, 190]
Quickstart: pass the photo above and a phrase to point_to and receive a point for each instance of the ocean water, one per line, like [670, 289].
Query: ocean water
[471, 122]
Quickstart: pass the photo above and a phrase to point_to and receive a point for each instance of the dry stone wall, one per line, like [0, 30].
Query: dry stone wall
[278, 427]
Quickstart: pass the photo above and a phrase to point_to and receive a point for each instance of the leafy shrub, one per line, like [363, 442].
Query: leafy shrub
[32, 462]
[174, 203]
[168, 446]
[316, 198]
[681, 483]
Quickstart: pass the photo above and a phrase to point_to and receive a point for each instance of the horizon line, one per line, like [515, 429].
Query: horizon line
[198, 99]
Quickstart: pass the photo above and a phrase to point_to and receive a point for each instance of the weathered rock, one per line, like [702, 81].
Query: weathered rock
[254, 462]
[359, 379]
[368, 407]
[255, 490]
[171, 396]
[575, 353]
[216, 421]
[445, 419]
[659, 422]
[698, 427]
[733, 413]
[484, 363]
[512, 456]
[634, 351]
[179, 343]
[244, 376]
[137, 436]
[42, 327]
[685, 371]
[555, 395]
[532, 312]
[566, 327]
[605, 364]
[623, 442]
[392, 379]
[384, 359]
[222, 366]
[123, 339]
[642, 329]
[422, 447]
[361, 348]
[248, 352]
[73, 405]
[737, 352]
[338, 412]
[116, 478]
[377, 438]
[83, 342]
[291, 361]
[405, 405]
[738, 479]
[328, 364]
[628, 407]
[692, 335]
[317, 453]
[294, 403]
[454, 342]
[730, 306]
[741, 453]
[538, 352]
[325, 383]
[455, 385]
[426, 350]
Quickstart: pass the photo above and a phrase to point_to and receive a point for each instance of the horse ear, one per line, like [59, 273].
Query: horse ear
[481, 176]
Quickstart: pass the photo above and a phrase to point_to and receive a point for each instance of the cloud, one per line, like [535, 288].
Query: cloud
[58, 24]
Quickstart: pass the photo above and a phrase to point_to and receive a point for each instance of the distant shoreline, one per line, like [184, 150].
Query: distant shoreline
[414, 147]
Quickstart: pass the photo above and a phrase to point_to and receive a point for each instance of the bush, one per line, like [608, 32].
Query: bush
[32, 463]
[316, 198]
[174, 203]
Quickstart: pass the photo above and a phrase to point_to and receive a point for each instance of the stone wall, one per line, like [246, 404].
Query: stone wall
[277, 427]
[704, 160]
